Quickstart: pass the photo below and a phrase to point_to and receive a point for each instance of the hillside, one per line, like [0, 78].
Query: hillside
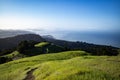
[11, 42]
[88, 47]
[37, 49]
[70, 65]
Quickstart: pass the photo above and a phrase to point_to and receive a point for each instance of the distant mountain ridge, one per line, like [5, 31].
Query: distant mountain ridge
[10, 42]
[11, 33]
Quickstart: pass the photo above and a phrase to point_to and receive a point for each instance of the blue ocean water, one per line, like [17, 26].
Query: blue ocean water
[101, 38]
[95, 37]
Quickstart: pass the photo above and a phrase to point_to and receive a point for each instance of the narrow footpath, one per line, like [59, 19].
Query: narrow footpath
[30, 75]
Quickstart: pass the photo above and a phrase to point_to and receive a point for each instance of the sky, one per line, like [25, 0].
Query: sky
[77, 15]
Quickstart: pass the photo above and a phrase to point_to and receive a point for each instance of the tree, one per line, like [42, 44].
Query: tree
[22, 46]
[25, 45]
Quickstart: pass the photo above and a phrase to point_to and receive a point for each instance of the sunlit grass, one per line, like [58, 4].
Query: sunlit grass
[69, 65]
[15, 55]
[41, 44]
[79, 68]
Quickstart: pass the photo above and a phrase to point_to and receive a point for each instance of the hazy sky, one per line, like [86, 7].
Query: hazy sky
[83, 15]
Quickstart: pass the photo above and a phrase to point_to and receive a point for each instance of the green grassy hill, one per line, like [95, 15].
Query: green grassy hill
[69, 65]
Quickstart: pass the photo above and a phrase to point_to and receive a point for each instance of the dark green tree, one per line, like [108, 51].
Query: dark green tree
[23, 45]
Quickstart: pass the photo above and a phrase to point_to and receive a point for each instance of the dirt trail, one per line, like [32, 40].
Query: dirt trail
[30, 75]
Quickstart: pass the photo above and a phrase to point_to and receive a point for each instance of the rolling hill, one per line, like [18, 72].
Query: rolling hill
[70, 65]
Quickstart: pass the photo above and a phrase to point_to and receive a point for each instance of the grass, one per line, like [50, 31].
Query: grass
[42, 44]
[79, 68]
[14, 55]
[69, 65]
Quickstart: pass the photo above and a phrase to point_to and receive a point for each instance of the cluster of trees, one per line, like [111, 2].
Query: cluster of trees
[94, 49]
[25, 45]
[101, 50]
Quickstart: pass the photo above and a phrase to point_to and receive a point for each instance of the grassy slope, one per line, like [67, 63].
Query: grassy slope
[15, 55]
[71, 65]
